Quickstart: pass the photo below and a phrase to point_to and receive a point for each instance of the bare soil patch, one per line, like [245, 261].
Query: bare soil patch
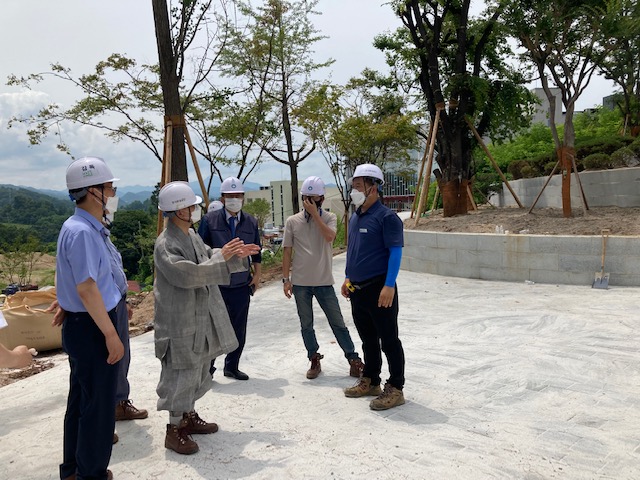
[541, 221]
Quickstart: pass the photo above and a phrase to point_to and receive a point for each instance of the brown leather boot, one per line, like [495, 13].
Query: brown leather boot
[126, 411]
[355, 368]
[363, 388]
[192, 423]
[315, 368]
[178, 440]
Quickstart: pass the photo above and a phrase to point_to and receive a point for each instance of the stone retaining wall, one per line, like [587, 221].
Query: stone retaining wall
[518, 258]
[603, 188]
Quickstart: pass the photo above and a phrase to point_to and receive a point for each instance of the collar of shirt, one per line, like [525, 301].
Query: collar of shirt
[92, 221]
[371, 209]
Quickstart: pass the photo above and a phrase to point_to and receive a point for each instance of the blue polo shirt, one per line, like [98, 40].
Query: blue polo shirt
[84, 252]
[371, 234]
[215, 231]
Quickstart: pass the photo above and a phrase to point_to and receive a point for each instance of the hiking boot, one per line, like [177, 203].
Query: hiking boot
[356, 366]
[389, 398]
[362, 388]
[126, 411]
[178, 440]
[192, 423]
[315, 368]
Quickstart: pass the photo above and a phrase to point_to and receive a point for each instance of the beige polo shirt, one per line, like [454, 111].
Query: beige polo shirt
[312, 254]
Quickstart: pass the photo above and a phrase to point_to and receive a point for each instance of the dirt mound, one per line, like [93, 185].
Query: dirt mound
[543, 221]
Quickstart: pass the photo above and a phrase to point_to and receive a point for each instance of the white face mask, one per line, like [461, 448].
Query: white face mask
[357, 198]
[196, 215]
[110, 208]
[234, 205]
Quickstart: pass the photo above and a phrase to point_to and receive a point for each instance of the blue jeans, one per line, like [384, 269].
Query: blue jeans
[326, 297]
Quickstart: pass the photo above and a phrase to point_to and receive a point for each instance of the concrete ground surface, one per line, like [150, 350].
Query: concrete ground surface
[504, 381]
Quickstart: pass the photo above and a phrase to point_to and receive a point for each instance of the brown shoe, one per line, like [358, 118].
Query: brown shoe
[115, 438]
[192, 423]
[356, 366]
[178, 440]
[315, 368]
[126, 411]
[362, 388]
[389, 398]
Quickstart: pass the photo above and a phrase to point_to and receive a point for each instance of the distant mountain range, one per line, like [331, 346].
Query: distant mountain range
[140, 193]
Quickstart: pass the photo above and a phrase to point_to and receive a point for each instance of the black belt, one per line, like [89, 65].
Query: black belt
[366, 283]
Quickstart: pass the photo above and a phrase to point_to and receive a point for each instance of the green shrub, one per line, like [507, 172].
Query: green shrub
[515, 168]
[596, 161]
[622, 157]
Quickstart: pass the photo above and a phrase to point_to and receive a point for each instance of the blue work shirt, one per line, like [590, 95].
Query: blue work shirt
[84, 252]
[371, 234]
[215, 231]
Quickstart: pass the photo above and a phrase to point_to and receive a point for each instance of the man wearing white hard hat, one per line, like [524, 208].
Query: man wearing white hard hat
[374, 252]
[90, 288]
[306, 273]
[191, 325]
[216, 229]
[215, 206]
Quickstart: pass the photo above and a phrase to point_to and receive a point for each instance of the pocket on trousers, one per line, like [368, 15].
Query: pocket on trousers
[162, 345]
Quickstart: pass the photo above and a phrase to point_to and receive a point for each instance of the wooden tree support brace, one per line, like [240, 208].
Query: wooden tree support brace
[493, 162]
[427, 176]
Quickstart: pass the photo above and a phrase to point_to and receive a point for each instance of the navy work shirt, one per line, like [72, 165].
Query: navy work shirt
[371, 234]
[216, 232]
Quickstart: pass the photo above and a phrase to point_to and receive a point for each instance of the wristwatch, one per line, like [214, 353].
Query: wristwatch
[286, 280]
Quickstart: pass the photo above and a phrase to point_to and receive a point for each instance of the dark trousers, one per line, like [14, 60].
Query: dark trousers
[90, 418]
[237, 301]
[122, 327]
[378, 330]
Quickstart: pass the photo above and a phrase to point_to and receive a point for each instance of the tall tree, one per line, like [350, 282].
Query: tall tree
[461, 69]
[273, 55]
[565, 41]
[622, 63]
[364, 122]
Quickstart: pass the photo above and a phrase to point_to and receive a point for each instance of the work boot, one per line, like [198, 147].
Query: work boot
[126, 411]
[115, 438]
[73, 477]
[192, 423]
[362, 388]
[178, 440]
[389, 398]
[356, 366]
[315, 368]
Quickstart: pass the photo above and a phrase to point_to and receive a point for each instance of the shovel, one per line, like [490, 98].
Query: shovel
[602, 279]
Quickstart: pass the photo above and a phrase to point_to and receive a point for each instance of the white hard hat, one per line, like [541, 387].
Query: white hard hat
[232, 185]
[176, 196]
[215, 205]
[368, 170]
[312, 186]
[88, 171]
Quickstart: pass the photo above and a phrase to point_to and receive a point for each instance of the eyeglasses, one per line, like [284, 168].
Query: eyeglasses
[115, 189]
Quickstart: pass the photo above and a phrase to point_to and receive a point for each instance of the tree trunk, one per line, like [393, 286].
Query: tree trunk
[565, 154]
[454, 197]
[170, 88]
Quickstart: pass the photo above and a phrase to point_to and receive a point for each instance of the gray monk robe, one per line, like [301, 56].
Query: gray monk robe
[191, 321]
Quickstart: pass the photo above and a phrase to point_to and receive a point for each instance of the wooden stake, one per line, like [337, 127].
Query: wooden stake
[192, 151]
[427, 177]
[493, 162]
[473, 202]
[544, 186]
[166, 166]
[422, 164]
[435, 198]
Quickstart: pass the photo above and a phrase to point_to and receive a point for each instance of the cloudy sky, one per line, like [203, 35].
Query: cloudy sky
[80, 33]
